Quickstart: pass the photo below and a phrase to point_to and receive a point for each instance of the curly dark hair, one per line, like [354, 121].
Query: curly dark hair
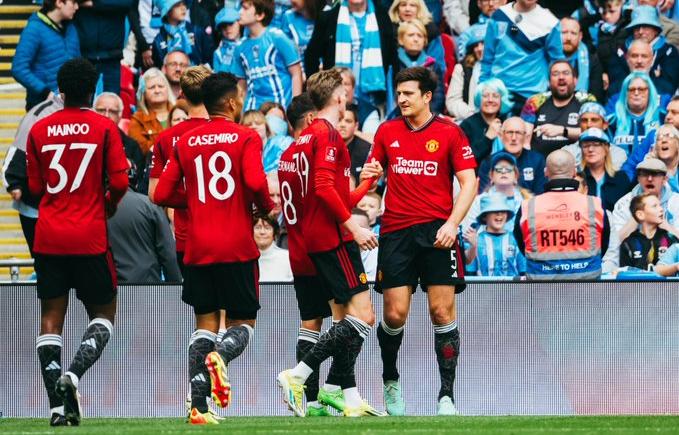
[77, 80]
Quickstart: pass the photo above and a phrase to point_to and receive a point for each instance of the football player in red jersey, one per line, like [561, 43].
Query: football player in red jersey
[68, 155]
[313, 299]
[190, 82]
[418, 238]
[332, 239]
[221, 166]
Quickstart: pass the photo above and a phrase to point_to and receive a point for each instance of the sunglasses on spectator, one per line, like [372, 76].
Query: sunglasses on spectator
[587, 145]
[503, 169]
[637, 90]
[645, 174]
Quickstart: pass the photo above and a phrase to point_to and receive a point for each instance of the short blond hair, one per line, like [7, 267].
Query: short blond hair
[191, 82]
[321, 85]
[423, 13]
[403, 28]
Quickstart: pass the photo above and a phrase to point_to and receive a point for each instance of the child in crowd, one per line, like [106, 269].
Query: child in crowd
[371, 203]
[646, 245]
[493, 252]
[177, 34]
[279, 139]
[369, 258]
[228, 27]
[267, 60]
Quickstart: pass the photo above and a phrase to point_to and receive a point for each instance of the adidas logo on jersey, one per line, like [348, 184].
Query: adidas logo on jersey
[89, 342]
[394, 144]
[53, 366]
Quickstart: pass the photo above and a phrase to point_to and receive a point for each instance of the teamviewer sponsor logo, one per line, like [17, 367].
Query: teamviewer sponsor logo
[415, 167]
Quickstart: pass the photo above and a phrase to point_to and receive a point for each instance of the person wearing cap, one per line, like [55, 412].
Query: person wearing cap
[646, 26]
[670, 27]
[178, 34]
[552, 116]
[483, 127]
[652, 178]
[493, 251]
[603, 180]
[227, 25]
[531, 164]
[667, 150]
[640, 151]
[563, 233]
[465, 78]
[504, 181]
[585, 62]
[593, 115]
[522, 39]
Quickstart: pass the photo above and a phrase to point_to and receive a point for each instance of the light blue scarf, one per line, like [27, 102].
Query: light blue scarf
[580, 60]
[179, 38]
[422, 60]
[372, 76]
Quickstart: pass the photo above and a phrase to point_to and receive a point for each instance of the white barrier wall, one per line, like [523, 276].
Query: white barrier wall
[527, 348]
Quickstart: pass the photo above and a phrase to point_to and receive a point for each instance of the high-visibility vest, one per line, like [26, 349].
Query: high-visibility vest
[562, 233]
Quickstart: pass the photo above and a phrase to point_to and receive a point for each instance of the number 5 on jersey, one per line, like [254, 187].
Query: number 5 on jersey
[215, 176]
[55, 164]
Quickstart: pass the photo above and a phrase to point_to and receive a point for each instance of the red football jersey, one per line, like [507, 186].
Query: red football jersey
[221, 165]
[293, 176]
[420, 165]
[327, 201]
[68, 156]
[162, 152]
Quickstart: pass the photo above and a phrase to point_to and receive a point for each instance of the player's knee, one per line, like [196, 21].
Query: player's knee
[313, 324]
[395, 317]
[441, 315]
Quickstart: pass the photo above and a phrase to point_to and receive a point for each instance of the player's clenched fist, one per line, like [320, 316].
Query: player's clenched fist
[365, 238]
[373, 169]
[445, 236]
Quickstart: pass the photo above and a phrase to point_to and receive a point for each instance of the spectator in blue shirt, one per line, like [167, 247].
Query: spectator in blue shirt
[494, 252]
[177, 34]
[668, 264]
[522, 39]
[637, 111]
[640, 151]
[298, 23]
[228, 27]
[49, 40]
[266, 63]
[531, 164]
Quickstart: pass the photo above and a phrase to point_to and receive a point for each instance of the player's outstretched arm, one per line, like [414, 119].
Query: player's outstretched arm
[167, 191]
[446, 235]
[369, 175]
[253, 173]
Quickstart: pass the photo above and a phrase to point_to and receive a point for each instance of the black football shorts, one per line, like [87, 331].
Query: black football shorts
[341, 271]
[312, 297]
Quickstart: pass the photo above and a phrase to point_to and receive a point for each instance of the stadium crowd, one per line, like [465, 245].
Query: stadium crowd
[597, 79]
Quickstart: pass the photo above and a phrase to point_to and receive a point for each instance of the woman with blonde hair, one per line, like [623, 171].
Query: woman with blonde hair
[154, 102]
[407, 10]
[667, 149]
[603, 181]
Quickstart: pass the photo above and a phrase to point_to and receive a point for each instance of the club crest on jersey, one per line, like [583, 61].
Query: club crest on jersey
[432, 146]
[330, 154]
[379, 275]
[363, 278]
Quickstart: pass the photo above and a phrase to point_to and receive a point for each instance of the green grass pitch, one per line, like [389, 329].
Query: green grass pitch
[397, 425]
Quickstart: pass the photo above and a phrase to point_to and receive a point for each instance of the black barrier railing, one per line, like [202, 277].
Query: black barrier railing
[528, 348]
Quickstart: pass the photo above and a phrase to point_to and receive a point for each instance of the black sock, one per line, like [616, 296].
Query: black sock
[447, 347]
[331, 343]
[306, 340]
[94, 341]
[390, 340]
[234, 342]
[354, 345]
[49, 347]
[202, 342]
